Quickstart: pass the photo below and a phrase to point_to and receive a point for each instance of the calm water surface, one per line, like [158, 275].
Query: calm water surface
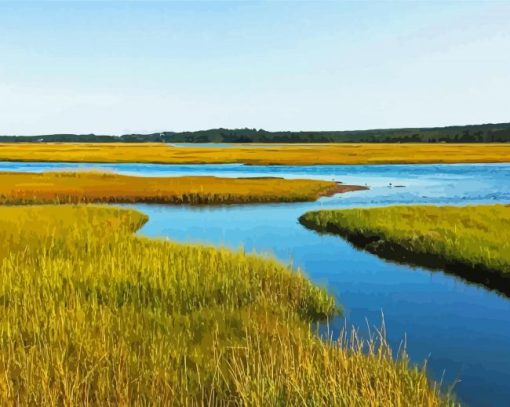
[462, 329]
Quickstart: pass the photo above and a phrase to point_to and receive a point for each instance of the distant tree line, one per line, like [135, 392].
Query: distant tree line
[482, 133]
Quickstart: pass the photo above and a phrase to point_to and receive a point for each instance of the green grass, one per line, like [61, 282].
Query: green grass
[89, 317]
[472, 241]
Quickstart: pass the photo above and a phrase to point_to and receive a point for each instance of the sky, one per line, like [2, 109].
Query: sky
[116, 67]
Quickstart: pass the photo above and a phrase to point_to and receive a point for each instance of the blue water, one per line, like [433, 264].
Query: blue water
[462, 329]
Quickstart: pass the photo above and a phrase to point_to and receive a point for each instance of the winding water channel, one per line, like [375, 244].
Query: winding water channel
[461, 328]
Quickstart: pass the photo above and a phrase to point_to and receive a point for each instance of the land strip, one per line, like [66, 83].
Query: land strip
[92, 187]
[472, 242]
[305, 154]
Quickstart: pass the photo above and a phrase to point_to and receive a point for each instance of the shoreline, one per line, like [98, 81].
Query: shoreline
[374, 242]
[340, 188]
[24, 188]
[334, 154]
[478, 275]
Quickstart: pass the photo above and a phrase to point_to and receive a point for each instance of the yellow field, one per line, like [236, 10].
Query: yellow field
[95, 318]
[303, 154]
[88, 187]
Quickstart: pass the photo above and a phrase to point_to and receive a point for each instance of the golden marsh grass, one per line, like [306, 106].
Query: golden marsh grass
[92, 187]
[263, 154]
[94, 318]
[472, 241]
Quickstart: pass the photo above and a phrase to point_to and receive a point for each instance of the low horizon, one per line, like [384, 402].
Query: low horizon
[255, 129]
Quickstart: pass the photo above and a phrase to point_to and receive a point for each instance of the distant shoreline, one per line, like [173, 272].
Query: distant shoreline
[319, 154]
[473, 133]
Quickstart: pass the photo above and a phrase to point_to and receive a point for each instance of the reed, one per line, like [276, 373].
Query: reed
[95, 318]
[93, 187]
[263, 154]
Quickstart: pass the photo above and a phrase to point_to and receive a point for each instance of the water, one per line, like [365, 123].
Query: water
[462, 329]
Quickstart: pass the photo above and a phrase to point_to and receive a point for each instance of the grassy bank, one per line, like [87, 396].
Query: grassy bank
[109, 319]
[470, 241]
[304, 154]
[90, 187]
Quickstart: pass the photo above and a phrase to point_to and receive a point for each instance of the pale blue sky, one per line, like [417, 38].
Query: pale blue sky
[117, 67]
